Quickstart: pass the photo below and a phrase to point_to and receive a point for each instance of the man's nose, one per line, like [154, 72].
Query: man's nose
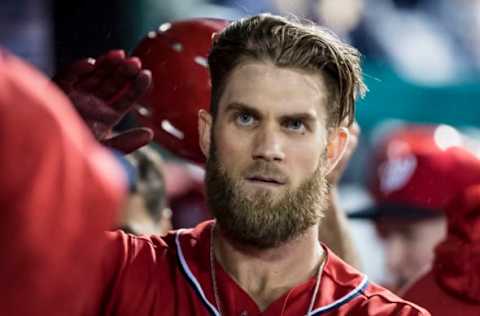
[268, 145]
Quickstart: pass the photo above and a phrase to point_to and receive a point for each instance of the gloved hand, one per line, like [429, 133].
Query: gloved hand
[103, 91]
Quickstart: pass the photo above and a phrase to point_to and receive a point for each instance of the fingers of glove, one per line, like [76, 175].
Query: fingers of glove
[71, 74]
[100, 131]
[104, 67]
[125, 72]
[130, 140]
[132, 91]
[94, 109]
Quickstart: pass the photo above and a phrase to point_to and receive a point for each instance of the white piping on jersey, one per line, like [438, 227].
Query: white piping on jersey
[346, 298]
[190, 275]
[342, 300]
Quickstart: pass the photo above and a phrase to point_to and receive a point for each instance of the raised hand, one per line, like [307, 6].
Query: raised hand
[103, 91]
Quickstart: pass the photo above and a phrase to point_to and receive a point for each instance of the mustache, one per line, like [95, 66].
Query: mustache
[267, 170]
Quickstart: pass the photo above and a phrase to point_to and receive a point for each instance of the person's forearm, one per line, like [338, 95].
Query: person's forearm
[335, 233]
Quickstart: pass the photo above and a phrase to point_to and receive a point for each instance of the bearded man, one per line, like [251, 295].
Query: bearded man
[283, 97]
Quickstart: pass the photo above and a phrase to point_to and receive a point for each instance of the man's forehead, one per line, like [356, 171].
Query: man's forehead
[253, 73]
[268, 87]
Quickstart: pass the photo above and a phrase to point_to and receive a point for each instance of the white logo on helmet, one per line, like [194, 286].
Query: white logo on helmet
[202, 61]
[394, 174]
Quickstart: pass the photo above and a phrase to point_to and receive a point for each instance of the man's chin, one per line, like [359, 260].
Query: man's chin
[258, 243]
[255, 193]
[265, 238]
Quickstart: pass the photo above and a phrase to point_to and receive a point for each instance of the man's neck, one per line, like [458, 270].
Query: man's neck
[267, 274]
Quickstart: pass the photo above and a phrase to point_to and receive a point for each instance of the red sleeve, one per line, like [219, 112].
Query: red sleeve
[380, 302]
[378, 306]
[59, 191]
[134, 271]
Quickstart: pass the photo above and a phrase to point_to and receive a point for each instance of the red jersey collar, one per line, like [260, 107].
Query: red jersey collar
[339, 283]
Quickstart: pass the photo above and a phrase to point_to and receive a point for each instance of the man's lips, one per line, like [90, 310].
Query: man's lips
[266, 180]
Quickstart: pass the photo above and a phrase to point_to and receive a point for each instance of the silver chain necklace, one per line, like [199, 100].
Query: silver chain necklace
[214, 277]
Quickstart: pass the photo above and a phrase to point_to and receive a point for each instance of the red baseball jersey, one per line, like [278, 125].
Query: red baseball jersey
[172, 276]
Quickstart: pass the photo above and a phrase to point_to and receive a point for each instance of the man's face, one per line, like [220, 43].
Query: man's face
[409, 246]
[268, 154]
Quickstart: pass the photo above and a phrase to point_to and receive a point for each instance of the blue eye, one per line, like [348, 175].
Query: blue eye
[245, 119]
[295, 125]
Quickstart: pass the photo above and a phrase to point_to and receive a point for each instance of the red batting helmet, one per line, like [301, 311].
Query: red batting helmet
[417, 169]
[177, 55]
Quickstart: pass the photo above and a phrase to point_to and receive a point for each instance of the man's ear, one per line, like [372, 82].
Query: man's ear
[204, 131]
[336, 147]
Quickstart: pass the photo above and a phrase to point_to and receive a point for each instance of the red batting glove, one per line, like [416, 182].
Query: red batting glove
[103, 91]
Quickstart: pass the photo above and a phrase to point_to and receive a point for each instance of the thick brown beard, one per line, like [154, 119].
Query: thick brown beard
[258, 222]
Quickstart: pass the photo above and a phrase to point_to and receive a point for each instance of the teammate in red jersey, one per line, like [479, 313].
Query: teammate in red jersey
[283, 95]
[60, 190]
[451, 286]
